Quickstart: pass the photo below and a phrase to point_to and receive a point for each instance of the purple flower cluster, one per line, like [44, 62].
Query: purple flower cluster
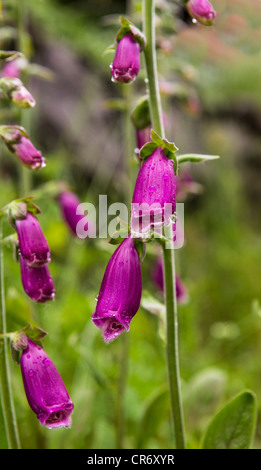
[34, 255]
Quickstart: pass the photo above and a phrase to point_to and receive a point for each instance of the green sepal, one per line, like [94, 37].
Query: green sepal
[18, 340]
[169, 148]
[140, 115]
[10, 55]
[12, 134]
[128, 27]
[140, 247]
[118, 236]
[147, 150]
[35, 333]
[19, 208]
[196, 158]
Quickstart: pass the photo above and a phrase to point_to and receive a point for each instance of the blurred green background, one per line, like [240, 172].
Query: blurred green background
[211, 94]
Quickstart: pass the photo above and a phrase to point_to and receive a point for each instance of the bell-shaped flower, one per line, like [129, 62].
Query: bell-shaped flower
[33, 245]
[126, 62]
[154, 196]
[120, 292]
[202, 11]
[44, 388]
[37, 282]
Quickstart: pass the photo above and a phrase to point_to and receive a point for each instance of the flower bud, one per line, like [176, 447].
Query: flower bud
[120, 292]
[44, 388]
[154, 199]
[68, 203]
[27, 154]
[158, 279]
[14, 90]
[143, 136]
[32, 243]
[37, 282]
[202, 11]
[22, 97]
[126, 63]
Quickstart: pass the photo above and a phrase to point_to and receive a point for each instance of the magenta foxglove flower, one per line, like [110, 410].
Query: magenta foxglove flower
[33, 245]
[37, 282]
[158, 278]
[68, 203]
[120, 292]
[28, 154]
[126, 63]
[44, 388]
[202, 11]
[154, 197]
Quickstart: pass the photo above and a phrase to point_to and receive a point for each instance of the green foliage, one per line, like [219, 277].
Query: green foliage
[233, 427]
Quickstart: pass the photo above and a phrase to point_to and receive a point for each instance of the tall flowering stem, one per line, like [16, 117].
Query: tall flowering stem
[5, 381]
[168, 253]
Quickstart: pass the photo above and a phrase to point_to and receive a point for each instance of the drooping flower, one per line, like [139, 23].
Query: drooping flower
[68, 203]
[126, 63]
[37, 282]
[202, 11]
[44, 388]
[154, 197]
[158, 279]
[33, 245]
[28, 154]
[120, 292]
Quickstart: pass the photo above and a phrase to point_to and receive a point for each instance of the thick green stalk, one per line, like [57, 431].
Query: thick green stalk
[5, 380]
[168, 253]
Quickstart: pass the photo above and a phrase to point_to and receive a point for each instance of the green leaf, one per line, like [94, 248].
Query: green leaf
[156, 410]
[233, 426]
[196, 158]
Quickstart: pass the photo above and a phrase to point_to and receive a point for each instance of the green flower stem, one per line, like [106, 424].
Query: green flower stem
[172, 343]
[25, 118]
[5, 380]
[151, 66]
[168, 253]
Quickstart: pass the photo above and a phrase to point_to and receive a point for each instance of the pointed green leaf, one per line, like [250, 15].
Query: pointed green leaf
[196, 158]
[155, 411]
[233, 426]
